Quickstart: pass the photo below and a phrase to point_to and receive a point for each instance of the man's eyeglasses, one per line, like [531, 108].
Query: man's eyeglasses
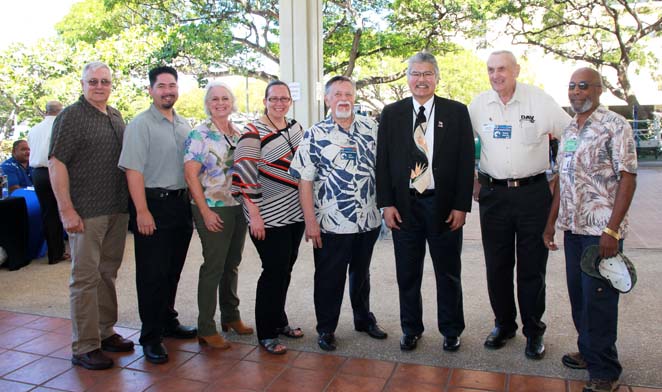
[581, 85]
[425, 75]
[95, 82]
[281, 99]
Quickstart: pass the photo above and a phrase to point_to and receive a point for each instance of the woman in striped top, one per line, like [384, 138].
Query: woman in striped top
[270, 199]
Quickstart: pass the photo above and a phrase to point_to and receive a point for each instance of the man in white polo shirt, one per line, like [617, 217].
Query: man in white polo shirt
[513, 121]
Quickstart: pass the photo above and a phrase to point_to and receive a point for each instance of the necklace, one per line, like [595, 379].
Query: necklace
[225, 134]
[280, 132]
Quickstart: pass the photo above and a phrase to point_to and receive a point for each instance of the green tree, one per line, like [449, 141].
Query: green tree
[616, 35]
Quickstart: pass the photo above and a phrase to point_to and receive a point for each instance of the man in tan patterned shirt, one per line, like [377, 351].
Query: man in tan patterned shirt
[597, 178]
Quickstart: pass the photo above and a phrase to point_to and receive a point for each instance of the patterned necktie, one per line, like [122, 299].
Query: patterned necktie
[420, 175]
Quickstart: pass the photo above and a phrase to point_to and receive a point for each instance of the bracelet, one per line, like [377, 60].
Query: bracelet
[611, 233]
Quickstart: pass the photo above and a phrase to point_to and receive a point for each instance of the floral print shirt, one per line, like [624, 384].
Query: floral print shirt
[590, 161]
[341, 164]
[215, 151]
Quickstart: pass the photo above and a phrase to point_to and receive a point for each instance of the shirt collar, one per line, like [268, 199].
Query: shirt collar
[427, 105]
[159, 116]
[517, 95]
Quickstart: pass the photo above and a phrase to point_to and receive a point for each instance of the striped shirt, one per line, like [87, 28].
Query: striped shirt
[261, 162]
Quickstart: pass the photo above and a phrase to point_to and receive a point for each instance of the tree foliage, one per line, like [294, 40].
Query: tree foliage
[614, 35]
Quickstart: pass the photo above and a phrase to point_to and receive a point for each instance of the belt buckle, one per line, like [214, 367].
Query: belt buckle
[163, 195]
[513, 183]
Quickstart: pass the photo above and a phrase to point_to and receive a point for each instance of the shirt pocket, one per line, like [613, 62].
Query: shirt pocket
[531, 135]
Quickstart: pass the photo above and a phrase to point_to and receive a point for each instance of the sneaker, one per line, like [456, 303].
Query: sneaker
[573, 361]
[597, 385]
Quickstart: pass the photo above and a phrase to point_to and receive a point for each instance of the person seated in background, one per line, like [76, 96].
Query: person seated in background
[16, 168]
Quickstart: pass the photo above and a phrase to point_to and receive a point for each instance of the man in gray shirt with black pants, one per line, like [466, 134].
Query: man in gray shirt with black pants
[153, 159]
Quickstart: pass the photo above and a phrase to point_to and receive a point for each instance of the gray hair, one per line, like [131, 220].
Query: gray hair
[53, 107]
[93, 66]
[216, 83]
[337, 79]
[508, 53]
[423, 57]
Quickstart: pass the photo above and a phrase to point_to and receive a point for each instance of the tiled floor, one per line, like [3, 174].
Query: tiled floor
[35, 356]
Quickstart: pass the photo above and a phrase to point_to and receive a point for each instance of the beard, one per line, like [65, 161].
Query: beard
[579, 109]
[343, 113]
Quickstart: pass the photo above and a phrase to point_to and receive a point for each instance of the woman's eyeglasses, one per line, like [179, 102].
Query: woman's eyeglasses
[279, 99]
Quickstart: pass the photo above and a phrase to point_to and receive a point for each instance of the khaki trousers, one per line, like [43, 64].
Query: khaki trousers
[96, 255]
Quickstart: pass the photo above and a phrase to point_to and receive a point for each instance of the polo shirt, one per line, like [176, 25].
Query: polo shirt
[16, 174]
[514, 136]
[154, 146]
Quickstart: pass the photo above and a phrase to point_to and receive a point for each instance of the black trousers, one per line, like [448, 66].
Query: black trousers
[160, 258]
[445, 250]
[53, 230]
[338, 253]
[278, 253]
[512, 221]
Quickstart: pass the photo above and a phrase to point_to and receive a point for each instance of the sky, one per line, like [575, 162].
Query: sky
[29, 20]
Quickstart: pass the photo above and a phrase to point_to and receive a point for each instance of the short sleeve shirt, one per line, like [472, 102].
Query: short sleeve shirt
[88, 142]
[215, 152]
[514, 137]
[341, 164]
[16, 174]
[154, 146]
[589, 162]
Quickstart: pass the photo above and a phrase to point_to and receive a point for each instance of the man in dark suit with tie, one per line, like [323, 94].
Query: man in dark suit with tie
[425, 165]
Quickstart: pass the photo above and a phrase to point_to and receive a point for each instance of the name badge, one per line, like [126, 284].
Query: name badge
[348, 153]
[488, 127]
[503, 131]
[570, 145]
[566, 162]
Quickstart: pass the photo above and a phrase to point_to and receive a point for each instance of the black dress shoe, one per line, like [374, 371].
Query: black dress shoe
[374, 331]
[498, 337]
[535, 348]
[155, 353]
[327, 341]
[409, 342]
[451, 343]
[181, 332]
[93, 360]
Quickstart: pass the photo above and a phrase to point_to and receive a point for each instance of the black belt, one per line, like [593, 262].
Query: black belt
[427, 193]
[486, 180]
[162, 193]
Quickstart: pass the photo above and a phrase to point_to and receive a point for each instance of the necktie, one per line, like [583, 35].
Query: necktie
[420, 174]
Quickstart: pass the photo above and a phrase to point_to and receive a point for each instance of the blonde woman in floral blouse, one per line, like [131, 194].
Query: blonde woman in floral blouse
[209, 155]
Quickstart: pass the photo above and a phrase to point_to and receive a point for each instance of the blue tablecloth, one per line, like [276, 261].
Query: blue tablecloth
[36, 240]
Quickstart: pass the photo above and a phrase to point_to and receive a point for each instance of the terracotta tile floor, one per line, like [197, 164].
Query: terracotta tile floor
[35, 356]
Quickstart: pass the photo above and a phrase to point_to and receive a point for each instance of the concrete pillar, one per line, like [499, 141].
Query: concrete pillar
[301, 57]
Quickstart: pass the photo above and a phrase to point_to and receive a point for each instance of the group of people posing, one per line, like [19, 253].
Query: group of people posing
[280, 183]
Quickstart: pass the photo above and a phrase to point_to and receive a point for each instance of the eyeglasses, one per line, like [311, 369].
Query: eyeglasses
[279, 99]
[425, 75]
[582, 85]
[95, 82]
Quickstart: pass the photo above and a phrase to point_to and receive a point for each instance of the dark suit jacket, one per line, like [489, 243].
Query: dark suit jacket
[452, 162]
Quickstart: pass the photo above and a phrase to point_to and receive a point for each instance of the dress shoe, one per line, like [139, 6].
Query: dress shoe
[214, 341]
[451, 343]
[117, 344]
[374, 331]
[155, 353]
[327, 341]
[597, 385]
[498, 337]
[574, 361]
[181, 332]
[93, 360]
[535, 348]
[409, 342]
[238, 326]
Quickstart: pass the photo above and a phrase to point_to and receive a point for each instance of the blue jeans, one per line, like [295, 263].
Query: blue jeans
[594, 310]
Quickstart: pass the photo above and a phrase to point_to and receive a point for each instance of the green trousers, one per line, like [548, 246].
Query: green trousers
[219, 272]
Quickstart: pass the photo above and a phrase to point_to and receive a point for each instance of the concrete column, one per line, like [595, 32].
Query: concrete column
[301, 56]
